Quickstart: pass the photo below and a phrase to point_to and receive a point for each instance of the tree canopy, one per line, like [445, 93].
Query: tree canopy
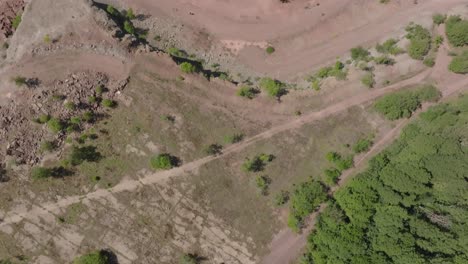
[409, 205]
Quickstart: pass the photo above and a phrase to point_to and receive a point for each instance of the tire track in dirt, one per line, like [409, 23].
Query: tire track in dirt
[130, 185]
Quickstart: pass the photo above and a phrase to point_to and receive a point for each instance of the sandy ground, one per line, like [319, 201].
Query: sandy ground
[302, 30]
[306, 34]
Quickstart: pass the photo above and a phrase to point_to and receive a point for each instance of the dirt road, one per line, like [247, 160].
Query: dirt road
[16, 216]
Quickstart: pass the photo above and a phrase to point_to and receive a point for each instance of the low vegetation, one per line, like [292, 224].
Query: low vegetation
[457, 31]
[368, 80]
[408, 206]
[16, 21]
[404, 103]
[389, 47]
[360, 54]
[257, 163]
[420, 41]
[274, 88]
[459, 64]
[163, 161]
[439, 18]
[305, 198]
[97, 257]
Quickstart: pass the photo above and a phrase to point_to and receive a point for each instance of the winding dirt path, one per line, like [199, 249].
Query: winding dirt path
[129, 185]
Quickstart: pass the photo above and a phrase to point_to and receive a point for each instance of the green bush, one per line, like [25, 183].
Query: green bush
[188, 67]
[235, 138]
[20, 80]
[38, 173]
[16, 21]
[88, 116]
[113, 11]
[70, 106]
[163, 162]
[324, 72]
[457, 31]
[100, 90]
[130, 14]
[439, 18]
[55, 125]
[42, 119]
[384, 60]
[389, 47]
[253, 165]
[345, 163]
[459, 64]
[92, 99]
[97, 257]
[362, 145]
[47, 146]
[274, 88]
[332, 175]
[214, 149]
[429, 61]
[108, 103]
[359, 53]
[404, 103]
[173, 51]
[305, 199]
[333, 156]
[368, 80]
[420, 41]
[128, 27]
[79, 155]
[270, 50]
[281, 198]
[246, 91]
[188, 259]
[262, 183]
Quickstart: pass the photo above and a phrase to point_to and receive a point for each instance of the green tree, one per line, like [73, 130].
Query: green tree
[79, 155]
[273, 87]
[55, 125]
[305, 198]
[129, 27]
[188, 67]
[163, 161]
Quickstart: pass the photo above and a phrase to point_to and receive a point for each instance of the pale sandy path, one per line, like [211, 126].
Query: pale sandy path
[129, 185]
[287, 245]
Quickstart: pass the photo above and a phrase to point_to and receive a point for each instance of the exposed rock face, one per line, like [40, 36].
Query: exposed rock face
[8, 10]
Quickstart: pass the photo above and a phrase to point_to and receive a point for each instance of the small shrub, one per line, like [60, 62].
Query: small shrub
[97, 257]
[47, 146]
[385, 60]
[38, 173]
[332, 175]
[163, 162]
[47, 39]
[333, 156]
[42, 119]
[324, 72]
[359, 53]
[235, 138]
[281, 198]
[316, 84]
[130, 15]
[247, 92]
[188, 67]
[188, 259]
[459, 64]
[270, 50]
[214, 149]
[20, 80]
[389, 47]
[113, 11]
[129, 27]
[368, 80]
[55, 125]
[429, 61]
[253, 165]
[177, 52]
[273, 87]
[79, 155]
[262, 183]
[295, 223]
[420, 41]
[88, 116]
[76, 120]
[100, 90]
[457, 31]
[16, 21]
[439, 18]
[362, 145]
[109, 103]
[92, 99]
[70, 106]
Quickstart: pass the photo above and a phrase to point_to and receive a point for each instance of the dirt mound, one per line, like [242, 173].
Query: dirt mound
[21, 132]
[8, 11]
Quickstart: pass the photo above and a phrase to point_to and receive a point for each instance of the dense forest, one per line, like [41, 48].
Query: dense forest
[410, 205]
